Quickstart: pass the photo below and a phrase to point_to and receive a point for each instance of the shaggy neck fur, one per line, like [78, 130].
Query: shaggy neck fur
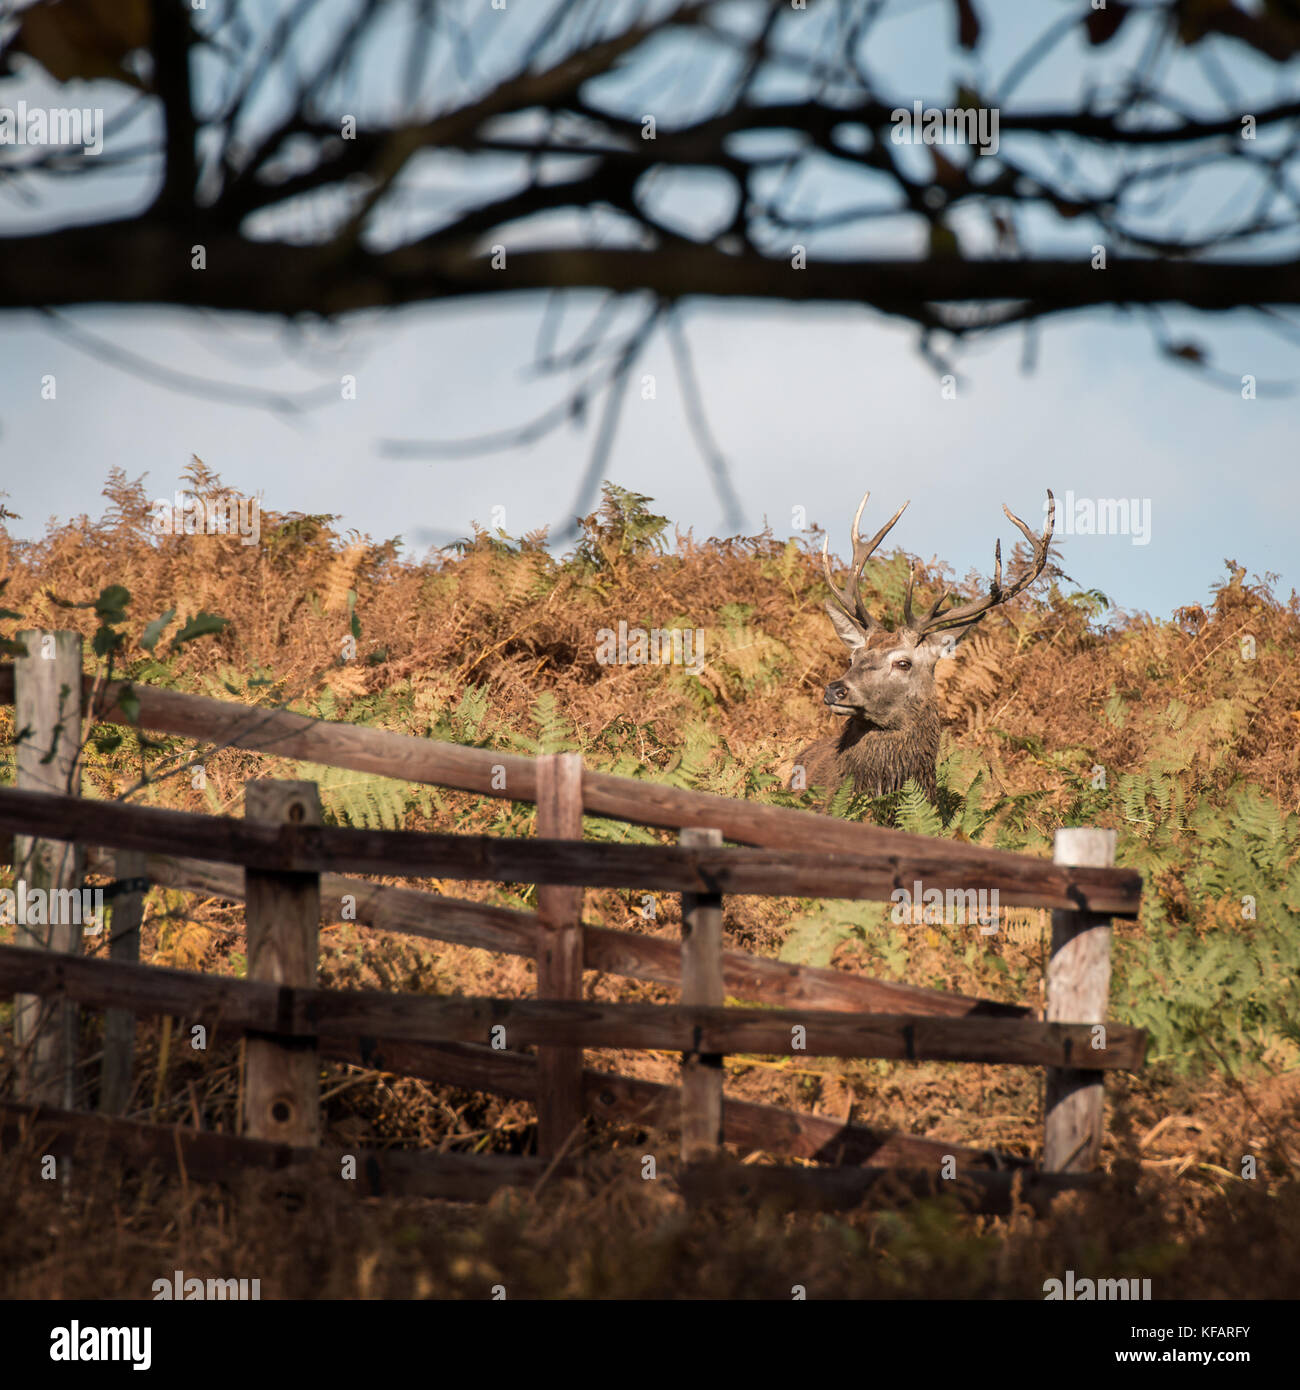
[879, 760]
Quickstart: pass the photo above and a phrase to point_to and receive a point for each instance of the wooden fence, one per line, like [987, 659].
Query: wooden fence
[283, 863]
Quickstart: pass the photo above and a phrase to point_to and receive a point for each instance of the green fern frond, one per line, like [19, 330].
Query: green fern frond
[465, 723]
[842, 800]
[915, 812]
[554, 733]
[358, 799]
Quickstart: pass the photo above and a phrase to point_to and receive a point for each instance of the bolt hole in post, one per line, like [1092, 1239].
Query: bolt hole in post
[560, 1110]
[47, 707]
[282, 915]
[702, 984]
[1078, 991]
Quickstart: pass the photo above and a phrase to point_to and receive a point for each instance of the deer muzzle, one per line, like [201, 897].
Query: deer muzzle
[836, 696]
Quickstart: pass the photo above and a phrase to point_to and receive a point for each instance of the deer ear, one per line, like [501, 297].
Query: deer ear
[942, 644]
[849, 632]
[957, 634]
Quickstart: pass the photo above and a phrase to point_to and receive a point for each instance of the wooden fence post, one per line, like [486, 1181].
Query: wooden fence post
[282, 913]
[701, 984]
[47, 714]
[119, 1024]
[1078, 991]
[559, 952]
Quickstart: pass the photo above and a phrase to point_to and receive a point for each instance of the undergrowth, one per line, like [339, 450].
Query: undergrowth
[1181, 735]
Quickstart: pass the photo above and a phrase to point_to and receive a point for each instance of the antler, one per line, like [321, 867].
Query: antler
[848, 598]
[970, 613]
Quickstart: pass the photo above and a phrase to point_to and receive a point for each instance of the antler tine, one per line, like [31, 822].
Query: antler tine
[934, 610]
[839, 595]
[970, 613]
[849, 598]
[878, 537]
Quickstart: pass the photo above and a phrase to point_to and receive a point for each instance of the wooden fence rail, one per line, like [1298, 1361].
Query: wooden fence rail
[1023, 881]
[475, 1177]
[218, 1000]
[215, 1157]
[282, 857]
[613, 1097]
[512, 931]
[606, 1095]
[485, 858]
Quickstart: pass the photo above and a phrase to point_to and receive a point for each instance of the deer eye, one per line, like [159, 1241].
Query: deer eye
[902, 664]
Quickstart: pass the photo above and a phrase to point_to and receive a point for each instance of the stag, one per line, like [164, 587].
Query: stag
[888, 693]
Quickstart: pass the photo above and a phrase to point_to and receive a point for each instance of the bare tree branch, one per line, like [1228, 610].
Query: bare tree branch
[558, 138]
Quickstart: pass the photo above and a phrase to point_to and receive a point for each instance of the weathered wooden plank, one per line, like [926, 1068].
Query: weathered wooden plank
[701, 972]
[625, 1099]
[1078, 988]
[656, 959]
[289, 735]
[208, 1157]
[751, 1125]
[483, 858]
[221, 1157]
[642, 802]
[409, 910]
[282, 1074]
[124, 945]
[747, 1124]
[47, 714]
[246, 1004]
[835, 1189]
[559, 953]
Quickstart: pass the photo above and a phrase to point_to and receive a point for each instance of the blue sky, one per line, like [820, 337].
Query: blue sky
[809, 406]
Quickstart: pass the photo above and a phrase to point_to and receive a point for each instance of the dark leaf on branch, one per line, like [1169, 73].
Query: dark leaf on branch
[968, 24]
[84, 39]
[1187, 352]
[1103, 25]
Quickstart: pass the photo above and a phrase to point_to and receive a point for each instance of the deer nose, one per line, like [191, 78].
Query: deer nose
[836, 693]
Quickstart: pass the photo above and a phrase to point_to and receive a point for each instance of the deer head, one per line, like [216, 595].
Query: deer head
[888, 693]
[890, 672]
